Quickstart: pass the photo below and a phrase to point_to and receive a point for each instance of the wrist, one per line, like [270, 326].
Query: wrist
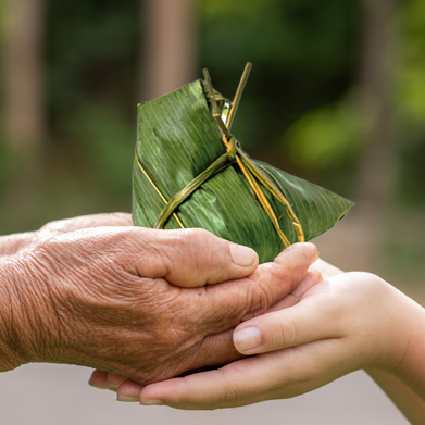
[24, 313]
[411, 367]
[11, 355]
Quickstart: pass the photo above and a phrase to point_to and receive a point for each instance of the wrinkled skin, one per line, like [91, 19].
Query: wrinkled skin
[13, 244]
[108, 297]
[129, 390]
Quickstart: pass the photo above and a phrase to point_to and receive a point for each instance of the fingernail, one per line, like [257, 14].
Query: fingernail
[150, 402]
[318, 274]
[112, 386]
[99, 385]
[242, 255]
[247, 338]
[127, 397]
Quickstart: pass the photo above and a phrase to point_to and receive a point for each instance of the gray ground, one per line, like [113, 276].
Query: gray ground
[44, 394]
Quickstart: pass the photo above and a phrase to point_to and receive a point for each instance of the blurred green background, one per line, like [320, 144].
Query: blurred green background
[336, 95]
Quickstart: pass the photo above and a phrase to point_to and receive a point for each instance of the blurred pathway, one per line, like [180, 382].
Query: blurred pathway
[44, 394]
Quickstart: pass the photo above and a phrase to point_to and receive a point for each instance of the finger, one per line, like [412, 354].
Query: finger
[192, 257]
[213, 350]
[225, 387]
[288, 373]
[106, 380]
[99, 379]
[278, 279]
[115, 380]
[295, 262]
[225, 306]
[306, 321]
[228, 304]
[311, 279]
[327, 270]
[129, 390]
[207, 354]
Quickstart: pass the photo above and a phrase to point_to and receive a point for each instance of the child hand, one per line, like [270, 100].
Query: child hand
[350, 321]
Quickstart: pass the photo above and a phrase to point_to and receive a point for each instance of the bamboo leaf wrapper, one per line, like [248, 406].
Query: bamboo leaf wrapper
[178, 139]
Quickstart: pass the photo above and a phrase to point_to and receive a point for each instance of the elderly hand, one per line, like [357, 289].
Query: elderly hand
[21, 242]
[348, 322]
[105, 297]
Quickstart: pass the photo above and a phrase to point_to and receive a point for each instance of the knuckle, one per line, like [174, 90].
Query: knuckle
[287, 332]
[194, 236]
[229, 393]
[201, 250]
[200, 238]
[183, 254]
[199, 232]
[158, 259]
[259, 300]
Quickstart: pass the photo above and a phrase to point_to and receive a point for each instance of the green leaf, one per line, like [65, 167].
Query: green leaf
[178, 139]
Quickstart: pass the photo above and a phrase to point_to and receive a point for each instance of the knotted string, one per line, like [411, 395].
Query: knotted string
[233, 154]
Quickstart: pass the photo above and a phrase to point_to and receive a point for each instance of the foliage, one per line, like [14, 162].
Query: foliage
[411, 104]
[411, 78]
[325, 137]
[305, 55]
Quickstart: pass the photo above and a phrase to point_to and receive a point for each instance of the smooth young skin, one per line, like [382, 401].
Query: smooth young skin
[108, 297]
[348, 322]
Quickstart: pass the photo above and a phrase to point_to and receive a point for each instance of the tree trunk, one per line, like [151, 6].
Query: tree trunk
[22, 84]
[169, 46]
[377, 172]
[23, 110]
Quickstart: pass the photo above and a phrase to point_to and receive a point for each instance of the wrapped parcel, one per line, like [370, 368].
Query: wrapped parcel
[185, 176]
